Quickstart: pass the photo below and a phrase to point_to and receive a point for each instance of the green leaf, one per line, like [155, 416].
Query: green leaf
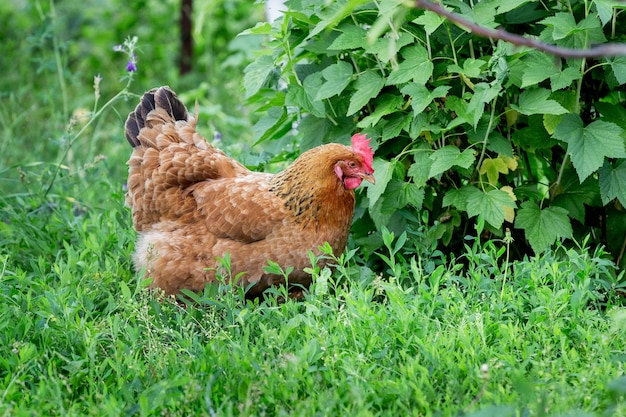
[472, 68]
[386, 48]
[613, 182]
[490, 206]
[564, 78]
[399, 193]
[459, 197]
[384, 172]
[416, 66]
[563, 24]
[311, 85]
[413, 194]
[573, 196]
[352, 37]
[605, 9]
[493, 167]
[395, 124]
[297, 96]
[483, 93]
[271, 125]
[536, 101]
[543, 227]
[449, 156]
[367, 86]
[539, 67]
[566, 98]
[421, 97]
[335, 13]
[508, 5]
[618, 66]
[256, 73]
[588, 146]
[386, 104]
[420, 169]
[261, 28]
[430, 21]
[337, 76]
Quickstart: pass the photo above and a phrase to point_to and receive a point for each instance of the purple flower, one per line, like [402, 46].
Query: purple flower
[130, 66]
[118, 48]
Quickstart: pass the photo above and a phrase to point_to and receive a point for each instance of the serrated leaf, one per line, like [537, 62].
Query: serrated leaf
[459, 197]
[367, 86]
[384, 172]
[493, 167]
[490, 206]
[536, 101]
[311, 85]
[420, 169]
[421, 97]
[297, 96]
[588, 146]
[483, 93]
[333, 14]
[618, 66]
[430, 21]
[539, 67]
[256, 73]
[612, 179]
[543, 227]
[563, 24]
[386, 48]
[605, 9]
[416, 66]
[386, 104]
[395, 124]
[569, 100]
[414, 195]
[564, 78]
[449, 156]
[352, 37]
[472, 68]
[337, 77]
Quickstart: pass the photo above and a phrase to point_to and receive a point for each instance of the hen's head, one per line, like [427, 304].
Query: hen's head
[357, 167]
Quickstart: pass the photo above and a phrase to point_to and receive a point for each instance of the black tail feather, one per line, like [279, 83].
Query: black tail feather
[162, 97]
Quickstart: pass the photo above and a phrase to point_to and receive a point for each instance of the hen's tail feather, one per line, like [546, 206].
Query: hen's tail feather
[162, 97]
[169, 156]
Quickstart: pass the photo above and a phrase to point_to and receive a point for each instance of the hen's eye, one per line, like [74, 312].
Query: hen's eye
[352, 164]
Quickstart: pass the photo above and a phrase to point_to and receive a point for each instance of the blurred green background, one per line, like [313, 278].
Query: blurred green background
[51, 52]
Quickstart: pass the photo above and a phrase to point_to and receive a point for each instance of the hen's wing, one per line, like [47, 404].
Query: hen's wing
[240, 209]
[168, 156]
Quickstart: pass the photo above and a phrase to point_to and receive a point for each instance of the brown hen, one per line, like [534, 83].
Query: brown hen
[192, 204]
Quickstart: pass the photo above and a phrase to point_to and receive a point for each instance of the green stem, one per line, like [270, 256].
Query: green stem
[78, 135]
[576, 111]
[486, 139]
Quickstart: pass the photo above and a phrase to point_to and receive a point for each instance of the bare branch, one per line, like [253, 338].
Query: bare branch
[605, 50]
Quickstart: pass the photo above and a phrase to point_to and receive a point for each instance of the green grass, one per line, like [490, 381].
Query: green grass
[81, 335]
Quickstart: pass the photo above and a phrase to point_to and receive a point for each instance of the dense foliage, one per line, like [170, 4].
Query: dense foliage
[472, 133]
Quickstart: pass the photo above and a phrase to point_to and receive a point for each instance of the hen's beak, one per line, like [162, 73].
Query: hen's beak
[369, 177]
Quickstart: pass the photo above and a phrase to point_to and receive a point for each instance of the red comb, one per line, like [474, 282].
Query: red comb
[361, 145]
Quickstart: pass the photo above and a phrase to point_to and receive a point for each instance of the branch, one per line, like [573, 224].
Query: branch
[605, 50]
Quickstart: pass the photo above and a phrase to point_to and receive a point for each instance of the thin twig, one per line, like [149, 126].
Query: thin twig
[605, 50]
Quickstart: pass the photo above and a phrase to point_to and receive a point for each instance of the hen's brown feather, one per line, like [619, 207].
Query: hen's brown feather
[192, 204]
